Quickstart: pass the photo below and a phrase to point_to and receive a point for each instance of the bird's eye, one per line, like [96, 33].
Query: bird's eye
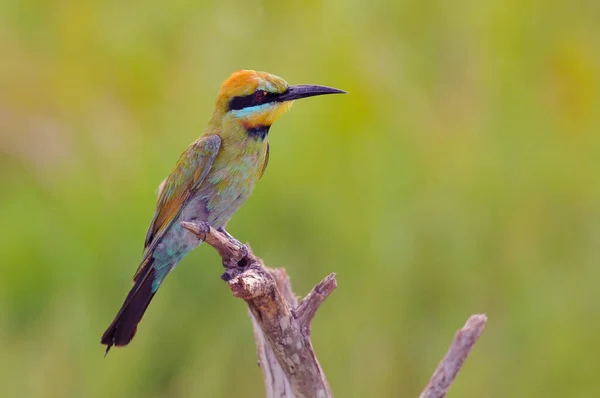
[260, 95]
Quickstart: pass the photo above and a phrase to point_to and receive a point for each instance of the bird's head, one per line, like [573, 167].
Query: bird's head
[257, 99]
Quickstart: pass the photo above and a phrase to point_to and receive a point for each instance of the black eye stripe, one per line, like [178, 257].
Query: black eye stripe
[253, 99]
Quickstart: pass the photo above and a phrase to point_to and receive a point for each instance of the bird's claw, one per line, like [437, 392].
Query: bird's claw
[203, 230]
[227, 234]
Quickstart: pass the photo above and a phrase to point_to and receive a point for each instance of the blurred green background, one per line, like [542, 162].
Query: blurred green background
[460, 175]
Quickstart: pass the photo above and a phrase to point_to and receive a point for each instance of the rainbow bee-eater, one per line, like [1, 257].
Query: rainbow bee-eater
[210, 181]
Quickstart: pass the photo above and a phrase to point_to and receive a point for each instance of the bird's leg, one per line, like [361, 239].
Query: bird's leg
[234, 240]
[202, 229]
[227, 234]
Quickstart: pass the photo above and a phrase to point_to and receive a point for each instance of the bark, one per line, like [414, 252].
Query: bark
[282, 324]
[461, 346]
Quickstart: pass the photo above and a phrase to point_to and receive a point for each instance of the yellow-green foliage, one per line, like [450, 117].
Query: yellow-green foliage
[461, 175]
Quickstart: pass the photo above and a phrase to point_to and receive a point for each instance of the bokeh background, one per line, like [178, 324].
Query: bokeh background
[461, 175]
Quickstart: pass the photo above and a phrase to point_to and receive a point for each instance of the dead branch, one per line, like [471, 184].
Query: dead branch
[461, 346]
[281, 326]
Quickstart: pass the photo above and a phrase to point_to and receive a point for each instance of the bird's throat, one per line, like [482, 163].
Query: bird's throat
[258, 133]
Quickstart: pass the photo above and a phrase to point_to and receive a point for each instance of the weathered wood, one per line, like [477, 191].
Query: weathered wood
[306, 310]
[461, 346]
[282, 327]
[276, 382]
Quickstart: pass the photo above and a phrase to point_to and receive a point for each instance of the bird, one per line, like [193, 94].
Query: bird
[211, 180]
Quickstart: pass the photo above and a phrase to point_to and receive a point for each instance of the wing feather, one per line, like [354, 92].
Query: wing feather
[187, 175]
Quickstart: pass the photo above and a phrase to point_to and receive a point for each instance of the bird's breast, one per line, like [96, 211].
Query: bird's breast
[228, 185]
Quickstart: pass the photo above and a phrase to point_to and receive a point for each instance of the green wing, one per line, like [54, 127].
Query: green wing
[187, 175]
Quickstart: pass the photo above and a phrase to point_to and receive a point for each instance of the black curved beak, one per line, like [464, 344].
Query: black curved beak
[307, 90]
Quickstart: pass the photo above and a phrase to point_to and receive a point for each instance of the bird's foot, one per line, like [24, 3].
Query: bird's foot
[199, 228]
[227, 234]
[202, 230]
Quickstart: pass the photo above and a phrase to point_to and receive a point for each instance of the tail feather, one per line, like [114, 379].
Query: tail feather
[123, 328]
